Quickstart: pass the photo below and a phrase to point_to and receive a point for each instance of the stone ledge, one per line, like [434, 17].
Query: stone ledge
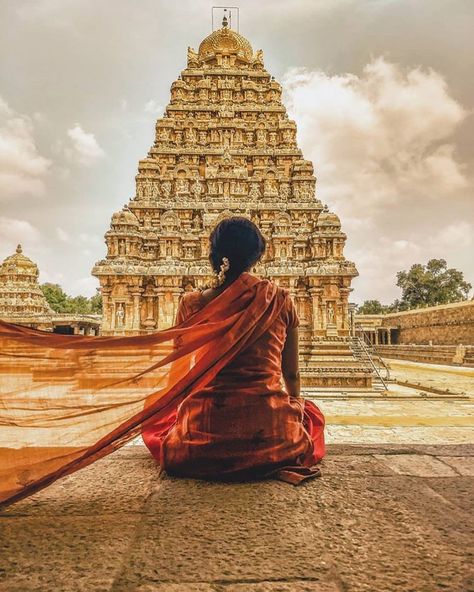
[389, 518]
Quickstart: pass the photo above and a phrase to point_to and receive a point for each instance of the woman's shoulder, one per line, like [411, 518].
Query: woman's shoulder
[189, 303]
[191, 298]
[289, 312]
[284, 292]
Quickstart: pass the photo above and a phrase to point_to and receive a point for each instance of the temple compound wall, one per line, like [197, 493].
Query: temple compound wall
[225, 146]
[448, 324]
[438, 334]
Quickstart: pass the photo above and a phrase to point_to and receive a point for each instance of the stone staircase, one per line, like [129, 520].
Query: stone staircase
[457, 355]
[330, 364]
[380, 370]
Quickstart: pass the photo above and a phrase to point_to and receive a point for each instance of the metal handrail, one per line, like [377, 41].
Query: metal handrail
[372, 349]
[368, 356]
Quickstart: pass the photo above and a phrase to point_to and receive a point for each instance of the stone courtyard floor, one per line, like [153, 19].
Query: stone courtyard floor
[405, 415]
[392, 511]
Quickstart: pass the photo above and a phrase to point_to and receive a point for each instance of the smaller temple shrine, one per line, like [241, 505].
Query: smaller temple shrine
[22, 301]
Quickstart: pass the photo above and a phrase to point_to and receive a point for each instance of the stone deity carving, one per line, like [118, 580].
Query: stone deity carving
[182, 185]
[287, 136]
[261, 136]
[330, 313]
[254, 190]
[285, 190]
[271, 187]
[166, 188]
[197, 222]
[196, 189]
[120, 315]
[193, 59]
[191, 136]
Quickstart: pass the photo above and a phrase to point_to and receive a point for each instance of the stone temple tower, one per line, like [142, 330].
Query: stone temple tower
[224, 146]
[21, 299]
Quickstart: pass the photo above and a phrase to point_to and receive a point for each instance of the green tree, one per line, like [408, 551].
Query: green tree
[397, 306]
[79, 305]
[55, 296]
[60, 302]
[431, 284]
[371, 307]
[96, 303]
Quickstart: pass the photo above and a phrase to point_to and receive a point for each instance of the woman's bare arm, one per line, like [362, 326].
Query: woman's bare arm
[290, 363]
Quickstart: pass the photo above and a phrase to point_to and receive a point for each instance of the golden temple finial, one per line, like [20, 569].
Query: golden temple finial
[19, 249]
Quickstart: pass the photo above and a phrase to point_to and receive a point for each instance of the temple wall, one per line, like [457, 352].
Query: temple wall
[455, 355]
[449, 324]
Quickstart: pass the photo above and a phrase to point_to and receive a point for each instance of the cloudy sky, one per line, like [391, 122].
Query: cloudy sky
[382, 92]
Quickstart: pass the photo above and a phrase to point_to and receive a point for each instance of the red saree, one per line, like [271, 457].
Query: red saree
[66, 401]
[242, 424]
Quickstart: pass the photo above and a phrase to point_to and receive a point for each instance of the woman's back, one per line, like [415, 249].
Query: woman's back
[242, 421]
[257, 369]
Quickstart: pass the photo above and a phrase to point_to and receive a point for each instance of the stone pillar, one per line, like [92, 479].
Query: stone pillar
[351, 314]
[345, 325]
[136, 298]
[318, 321]
[176, 295]
[150, 323]
[107, 310]
[163, 321]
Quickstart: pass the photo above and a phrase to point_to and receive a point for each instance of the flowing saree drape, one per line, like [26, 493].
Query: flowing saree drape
[67, 400]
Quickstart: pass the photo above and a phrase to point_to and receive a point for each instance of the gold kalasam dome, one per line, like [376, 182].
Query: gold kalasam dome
[225, 41]
[19, 263]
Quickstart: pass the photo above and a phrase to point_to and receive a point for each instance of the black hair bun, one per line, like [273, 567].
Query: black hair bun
[238, 239]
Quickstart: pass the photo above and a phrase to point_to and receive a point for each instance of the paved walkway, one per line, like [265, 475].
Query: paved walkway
[405, 415]
[454, 378]
[380, 519]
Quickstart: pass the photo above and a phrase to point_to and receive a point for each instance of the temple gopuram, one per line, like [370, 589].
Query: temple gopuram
[226, 146]
[22, 301]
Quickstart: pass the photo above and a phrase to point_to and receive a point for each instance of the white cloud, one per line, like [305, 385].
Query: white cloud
[460, 235]
[13, 232]
[62, 235]
[52, 277]
[85, 148]
[378, 138]
[153, 107]
[384, 155]
[22, 169]
[86, 286]
[78, 239]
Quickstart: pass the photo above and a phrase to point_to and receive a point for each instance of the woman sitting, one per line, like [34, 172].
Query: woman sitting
[243, 424]
[217, 396]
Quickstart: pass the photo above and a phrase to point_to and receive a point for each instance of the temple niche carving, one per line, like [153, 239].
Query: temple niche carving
[226, 146]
